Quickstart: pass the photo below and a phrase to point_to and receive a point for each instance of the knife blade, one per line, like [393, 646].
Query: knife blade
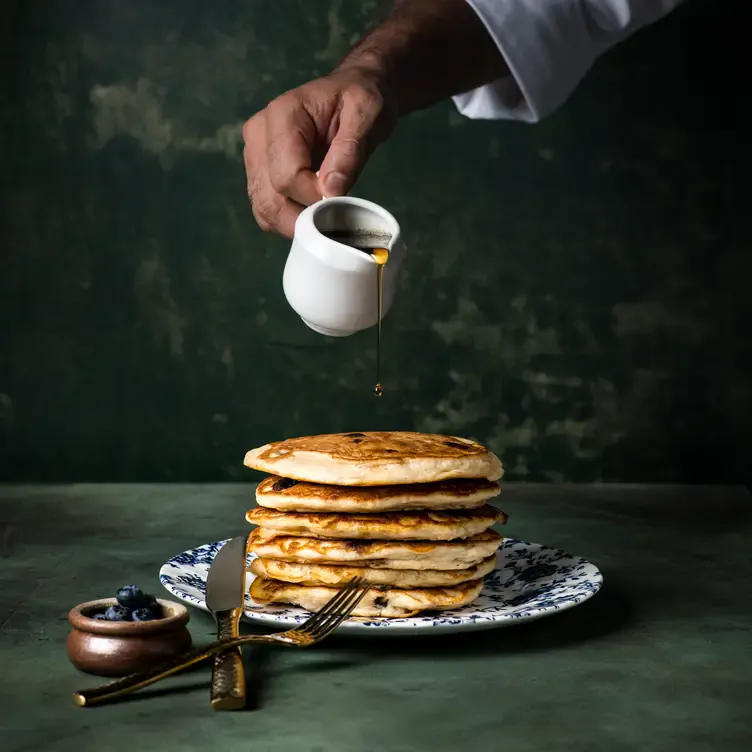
[225, 596]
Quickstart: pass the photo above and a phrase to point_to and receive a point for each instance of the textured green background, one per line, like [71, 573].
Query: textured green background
[576, 292]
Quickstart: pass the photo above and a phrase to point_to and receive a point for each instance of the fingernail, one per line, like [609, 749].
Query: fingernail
[335, 184]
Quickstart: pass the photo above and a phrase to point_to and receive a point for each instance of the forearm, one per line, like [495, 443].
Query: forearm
[429, 50]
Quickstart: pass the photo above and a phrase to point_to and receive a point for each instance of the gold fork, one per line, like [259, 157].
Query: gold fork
[313, 630]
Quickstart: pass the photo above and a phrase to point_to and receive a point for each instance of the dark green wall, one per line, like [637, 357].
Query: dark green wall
[577, 292]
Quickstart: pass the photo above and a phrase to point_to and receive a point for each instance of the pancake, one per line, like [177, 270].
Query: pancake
[335, 576]
[383, 602]
[375, 553]
[375, 459]
[425, 525]
[295, 496]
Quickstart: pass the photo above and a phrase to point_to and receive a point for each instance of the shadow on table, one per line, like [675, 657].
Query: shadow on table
[607, 613]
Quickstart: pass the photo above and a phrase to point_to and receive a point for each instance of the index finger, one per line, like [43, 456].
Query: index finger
[290, 139]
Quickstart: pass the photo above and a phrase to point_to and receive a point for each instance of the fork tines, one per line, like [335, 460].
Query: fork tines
[335, 611]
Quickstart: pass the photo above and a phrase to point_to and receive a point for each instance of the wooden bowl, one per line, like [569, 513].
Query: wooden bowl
[117, 648]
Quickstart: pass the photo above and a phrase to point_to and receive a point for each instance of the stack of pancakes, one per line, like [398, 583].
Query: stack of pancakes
[407, 512]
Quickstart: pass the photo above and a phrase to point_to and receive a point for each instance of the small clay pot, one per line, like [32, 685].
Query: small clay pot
[117, 648]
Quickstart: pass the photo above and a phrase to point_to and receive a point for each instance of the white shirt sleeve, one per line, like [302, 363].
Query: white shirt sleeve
[549, 46]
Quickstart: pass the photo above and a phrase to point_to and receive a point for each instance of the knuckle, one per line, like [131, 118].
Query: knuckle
[248, 159]
[251, 129]
[266, 211]
[284, 103]
[365, 100]
[253, 186]
[264, 226]
[347, 147]
[281, 177]
[260, 219]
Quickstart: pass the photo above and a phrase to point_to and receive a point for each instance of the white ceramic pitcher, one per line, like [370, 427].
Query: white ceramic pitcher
[332, 286]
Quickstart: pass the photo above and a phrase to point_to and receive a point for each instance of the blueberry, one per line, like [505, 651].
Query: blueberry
[144, 614]
[131, 596]
[152, 604]
[117, 613]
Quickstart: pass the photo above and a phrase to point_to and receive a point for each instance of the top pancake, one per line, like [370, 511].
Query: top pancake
[376, 458]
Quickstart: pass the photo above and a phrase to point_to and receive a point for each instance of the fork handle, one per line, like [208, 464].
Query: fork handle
[127, 684]
[228, 676]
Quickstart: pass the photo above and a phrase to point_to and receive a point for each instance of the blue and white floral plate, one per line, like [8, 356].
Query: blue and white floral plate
[530, 581]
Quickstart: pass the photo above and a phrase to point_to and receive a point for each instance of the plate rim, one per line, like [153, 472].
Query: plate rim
[475, 622]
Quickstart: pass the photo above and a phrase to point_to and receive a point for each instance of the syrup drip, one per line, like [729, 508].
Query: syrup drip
[381, 257]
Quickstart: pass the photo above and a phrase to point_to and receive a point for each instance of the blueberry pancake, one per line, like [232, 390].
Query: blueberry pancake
[379, 602]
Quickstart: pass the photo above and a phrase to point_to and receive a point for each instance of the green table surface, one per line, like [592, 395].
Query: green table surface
[660, 659]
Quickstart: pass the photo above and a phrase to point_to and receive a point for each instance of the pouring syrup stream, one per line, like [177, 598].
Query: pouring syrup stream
[381, 257]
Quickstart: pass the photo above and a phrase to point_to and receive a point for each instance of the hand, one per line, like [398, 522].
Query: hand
[340, 118]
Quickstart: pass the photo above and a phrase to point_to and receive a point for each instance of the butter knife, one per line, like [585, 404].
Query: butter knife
[225, 596]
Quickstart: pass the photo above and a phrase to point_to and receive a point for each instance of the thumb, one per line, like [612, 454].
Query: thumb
[348, 151]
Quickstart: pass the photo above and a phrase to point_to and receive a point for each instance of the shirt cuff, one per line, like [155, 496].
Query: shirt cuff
[548, 49]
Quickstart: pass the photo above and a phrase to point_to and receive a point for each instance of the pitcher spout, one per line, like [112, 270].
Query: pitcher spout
[346, 229]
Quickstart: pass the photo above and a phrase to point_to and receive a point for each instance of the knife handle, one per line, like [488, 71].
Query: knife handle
[228, 676]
